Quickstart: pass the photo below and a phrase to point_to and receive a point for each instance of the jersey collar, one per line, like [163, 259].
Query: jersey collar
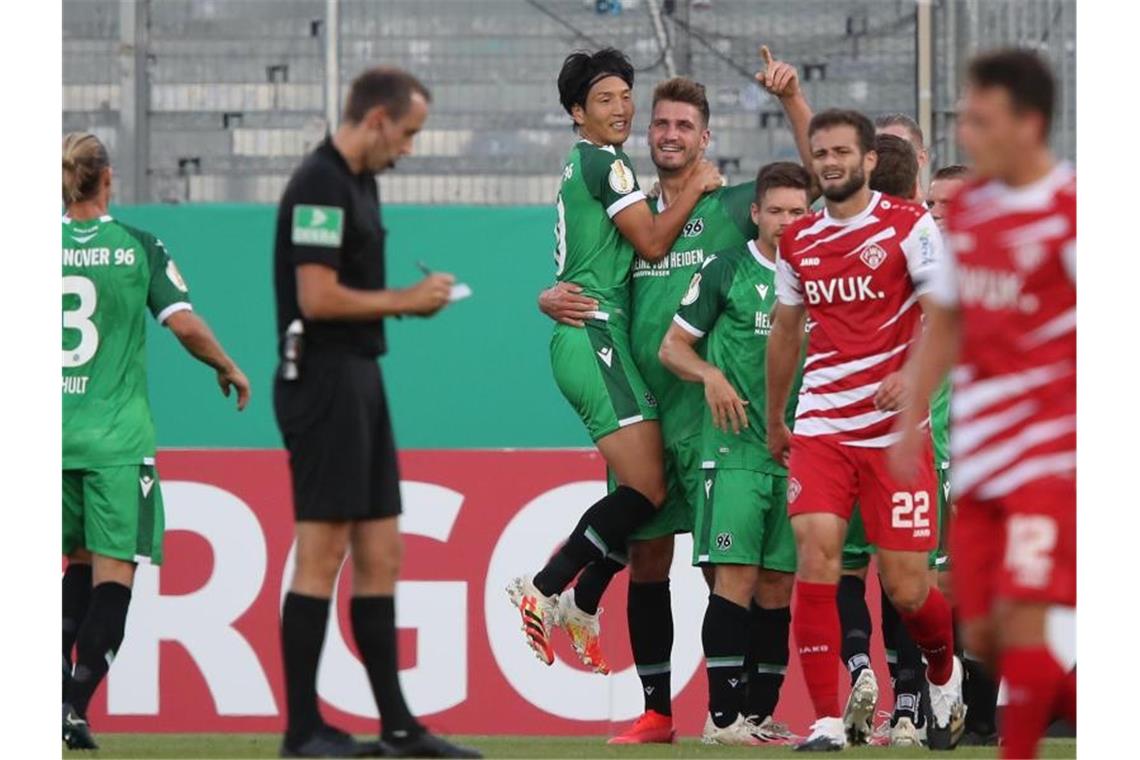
[875, 196]
[761, 259]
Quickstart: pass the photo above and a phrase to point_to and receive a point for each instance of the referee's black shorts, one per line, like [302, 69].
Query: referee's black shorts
[336, 427]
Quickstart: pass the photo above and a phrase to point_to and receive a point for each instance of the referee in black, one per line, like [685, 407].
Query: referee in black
[329, 400]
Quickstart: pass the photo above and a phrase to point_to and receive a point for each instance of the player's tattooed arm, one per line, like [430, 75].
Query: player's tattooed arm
[563, 302]
[680, 358]
[782, 360]
[781, 79]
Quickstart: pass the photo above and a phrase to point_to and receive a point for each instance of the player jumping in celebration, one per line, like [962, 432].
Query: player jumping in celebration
[112, 502]
[742, 526]
[603, 222]
[1005, 312]
[859, 270]
[678, 136]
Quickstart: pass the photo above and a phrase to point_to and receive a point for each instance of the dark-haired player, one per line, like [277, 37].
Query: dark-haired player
[1004, 312]
[741, 528]
[858, 268]
[603, 223]
[944, 185]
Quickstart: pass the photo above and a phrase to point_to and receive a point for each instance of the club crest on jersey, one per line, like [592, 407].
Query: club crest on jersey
[794, 489]
[621, 178]
[693, 227]
[873, 256]
[175, 276]
[724, 541]
[693, 292]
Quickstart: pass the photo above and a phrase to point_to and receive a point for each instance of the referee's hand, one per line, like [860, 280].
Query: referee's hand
[429, 295]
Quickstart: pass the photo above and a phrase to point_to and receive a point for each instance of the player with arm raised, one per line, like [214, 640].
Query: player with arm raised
[113, 274]
[1004, 316]
[741, 529]
[603, 222]
[859, 270]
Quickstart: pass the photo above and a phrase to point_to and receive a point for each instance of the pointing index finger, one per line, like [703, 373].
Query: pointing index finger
[766, 55]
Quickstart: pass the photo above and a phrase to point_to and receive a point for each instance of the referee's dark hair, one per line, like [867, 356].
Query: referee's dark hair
[582, 70]
[1021, 73]
[383, 86]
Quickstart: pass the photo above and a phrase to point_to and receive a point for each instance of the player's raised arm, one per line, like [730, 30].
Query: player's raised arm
[782, 80]
[197, 338]
[652, 235]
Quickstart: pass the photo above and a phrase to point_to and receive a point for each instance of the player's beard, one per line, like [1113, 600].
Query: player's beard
[839, 194]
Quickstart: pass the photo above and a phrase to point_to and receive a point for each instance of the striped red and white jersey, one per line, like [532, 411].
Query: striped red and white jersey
[859, 279]
[1011, 271]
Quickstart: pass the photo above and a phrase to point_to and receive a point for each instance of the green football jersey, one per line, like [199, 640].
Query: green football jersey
[721, 219]
[731, 300]
[112, 274]
[590, 251]
[940, 425]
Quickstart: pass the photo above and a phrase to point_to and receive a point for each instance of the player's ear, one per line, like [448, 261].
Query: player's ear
[870, 161]
[375, 117]
[578, 114]
[105, 180]
[706, 138]
[754, 212]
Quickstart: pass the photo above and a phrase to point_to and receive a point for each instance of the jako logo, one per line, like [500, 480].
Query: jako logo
[843, 289]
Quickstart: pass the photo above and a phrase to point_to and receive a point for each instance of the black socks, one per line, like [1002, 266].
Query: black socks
[303, 623]
[855, 624]
[602, 530]
[374, 628]
[76, 600]
[594, 581]
[767, 660]
[97, 642]
[650, 616]
[725, 639]
[908, 672]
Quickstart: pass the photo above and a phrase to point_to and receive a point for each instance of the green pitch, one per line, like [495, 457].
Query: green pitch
[266, 745]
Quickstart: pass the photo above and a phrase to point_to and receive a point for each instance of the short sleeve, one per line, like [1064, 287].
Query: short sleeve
[1069, 259]
[611, 179]
[737, 202]
[789, 289]
[706, 297]
[942, 287]
[167, 293]
[923, 249]
[315, 216]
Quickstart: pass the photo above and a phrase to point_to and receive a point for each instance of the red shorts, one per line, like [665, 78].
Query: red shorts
[1021, 546]
[826, 476]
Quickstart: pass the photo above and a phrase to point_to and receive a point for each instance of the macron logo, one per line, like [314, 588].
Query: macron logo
[607, 355]
[146, 483]
[763, 291]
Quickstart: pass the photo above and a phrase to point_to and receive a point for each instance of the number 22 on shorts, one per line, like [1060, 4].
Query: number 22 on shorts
[911, 510]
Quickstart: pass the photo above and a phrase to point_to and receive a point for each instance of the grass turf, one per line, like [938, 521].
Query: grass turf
[266, 745]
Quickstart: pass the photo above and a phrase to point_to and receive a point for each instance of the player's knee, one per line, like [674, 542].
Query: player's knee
[649, 561]
[907, 593]
[735, 583]
[817, 562]
[654, 491]
[774, 590]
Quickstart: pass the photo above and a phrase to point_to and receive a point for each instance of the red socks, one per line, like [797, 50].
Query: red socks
[932, 629]
[1033, 679]
[815, 622]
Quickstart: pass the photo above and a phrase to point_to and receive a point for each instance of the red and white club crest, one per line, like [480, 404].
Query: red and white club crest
[873, 256]
[794, 489]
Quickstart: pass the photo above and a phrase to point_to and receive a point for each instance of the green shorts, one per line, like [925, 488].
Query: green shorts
[857, 551]
[942, 556]
[742, 519]
[114, 511]
[594, 369]
[683, 478]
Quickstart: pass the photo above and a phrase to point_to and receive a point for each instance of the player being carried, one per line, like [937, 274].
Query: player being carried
[113, 274]
[678, 136]
[742, 527]
[1004, 311]
[603, 222]
[858, 269]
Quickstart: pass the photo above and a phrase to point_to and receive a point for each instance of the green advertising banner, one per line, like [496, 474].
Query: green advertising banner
[475, 376]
